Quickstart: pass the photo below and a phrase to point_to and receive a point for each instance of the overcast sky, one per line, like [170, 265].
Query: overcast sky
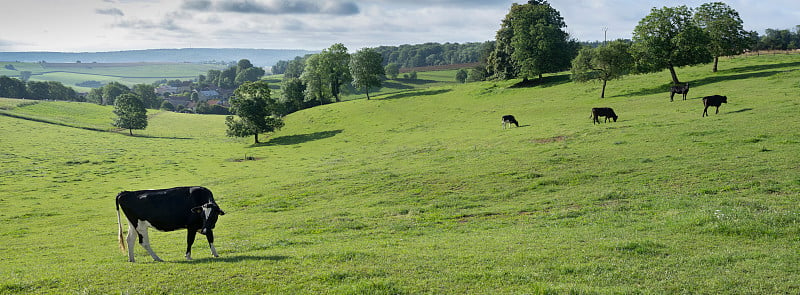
[111, 25]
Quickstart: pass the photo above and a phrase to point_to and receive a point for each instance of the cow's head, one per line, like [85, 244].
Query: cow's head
[210, 213]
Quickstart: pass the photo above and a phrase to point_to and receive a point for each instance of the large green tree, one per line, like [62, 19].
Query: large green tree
[111, 91]
[603, 63]
[366, 68]
[336, 62]
[257, 112]
[724, 28]
[668, 38]
[531, 42]
[315, 77]
[130, 111]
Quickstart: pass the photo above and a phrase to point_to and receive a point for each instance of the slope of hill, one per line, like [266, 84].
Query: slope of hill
[425, 193]
[259, 57]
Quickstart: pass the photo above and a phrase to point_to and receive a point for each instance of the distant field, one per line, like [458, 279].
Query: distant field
[420, 191]
[127, 73]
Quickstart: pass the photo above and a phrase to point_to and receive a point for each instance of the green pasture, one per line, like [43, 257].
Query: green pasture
[422, 192]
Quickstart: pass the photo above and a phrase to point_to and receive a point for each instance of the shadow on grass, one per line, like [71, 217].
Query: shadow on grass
[413, 93]
[741, 111]
[155, 137]
[720, 77]
[231, 259]
[548, 81]
[298, 138]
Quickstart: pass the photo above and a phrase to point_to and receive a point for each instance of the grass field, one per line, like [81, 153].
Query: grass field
[422, 192]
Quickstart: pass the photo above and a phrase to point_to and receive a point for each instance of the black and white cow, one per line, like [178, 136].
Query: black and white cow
[509, 119]
[713, 101]
[602, 112]
[192, 208]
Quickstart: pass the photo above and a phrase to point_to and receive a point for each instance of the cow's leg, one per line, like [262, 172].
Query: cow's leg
[131, 239]
[210, 238]
[144, 240]
[671, 95]
[705, 111]
[717, 110]
[190, 235]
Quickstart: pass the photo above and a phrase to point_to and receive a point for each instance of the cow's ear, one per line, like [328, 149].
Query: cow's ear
[198, 209]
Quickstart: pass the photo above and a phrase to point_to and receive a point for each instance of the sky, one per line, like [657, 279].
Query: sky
[113, 25]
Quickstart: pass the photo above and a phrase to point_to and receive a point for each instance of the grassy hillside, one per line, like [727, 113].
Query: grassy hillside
[423, 192]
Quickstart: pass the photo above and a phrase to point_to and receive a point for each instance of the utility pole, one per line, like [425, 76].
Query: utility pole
[605, 33]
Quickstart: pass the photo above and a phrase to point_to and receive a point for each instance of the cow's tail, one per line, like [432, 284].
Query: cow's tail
[119, 236]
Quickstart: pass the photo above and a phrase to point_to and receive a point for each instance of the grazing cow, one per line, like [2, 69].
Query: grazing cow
[679, 90]
[713, 101]
[192, 208]
[603, 112]
[509, 119]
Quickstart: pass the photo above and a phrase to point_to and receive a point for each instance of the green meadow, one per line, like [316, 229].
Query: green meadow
[423, 192]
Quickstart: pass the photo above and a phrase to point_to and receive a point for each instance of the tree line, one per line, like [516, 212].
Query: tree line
[410, 56]
[51, 90]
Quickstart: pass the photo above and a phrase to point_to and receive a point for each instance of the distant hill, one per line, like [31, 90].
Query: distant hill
[259, 57]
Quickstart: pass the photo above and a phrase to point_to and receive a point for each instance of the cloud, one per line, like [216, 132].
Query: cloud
[275, 7]
[110, 11]
[199, 5]
[139, 24]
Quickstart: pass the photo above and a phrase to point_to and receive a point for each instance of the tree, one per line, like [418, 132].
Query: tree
[668, 38]
[540, 43]
[111, 91]
[603, 63]
[249, 75]
[461, 76]
[499, 61]
[256, 110]
[38, 90]
[295, 67]
[392, 69]
[476, 74]
[130, 111]
[724, 28]
[168, 106]
[315, 76]
[25, 75]
[336, 62]
[532, 41]
[147, 94]
[293, 96]
[12, 87]
[367, 69]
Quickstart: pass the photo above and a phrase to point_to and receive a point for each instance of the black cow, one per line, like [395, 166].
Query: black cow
[509, 119]
[603, 112]
[713, 101]
[681, 89]
[192, 208]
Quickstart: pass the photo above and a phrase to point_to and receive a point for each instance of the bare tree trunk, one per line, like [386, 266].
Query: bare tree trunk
[716, 61]
[603, 93]
[674, 76]
[257, 139]
[131, 131]
[367, 90]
